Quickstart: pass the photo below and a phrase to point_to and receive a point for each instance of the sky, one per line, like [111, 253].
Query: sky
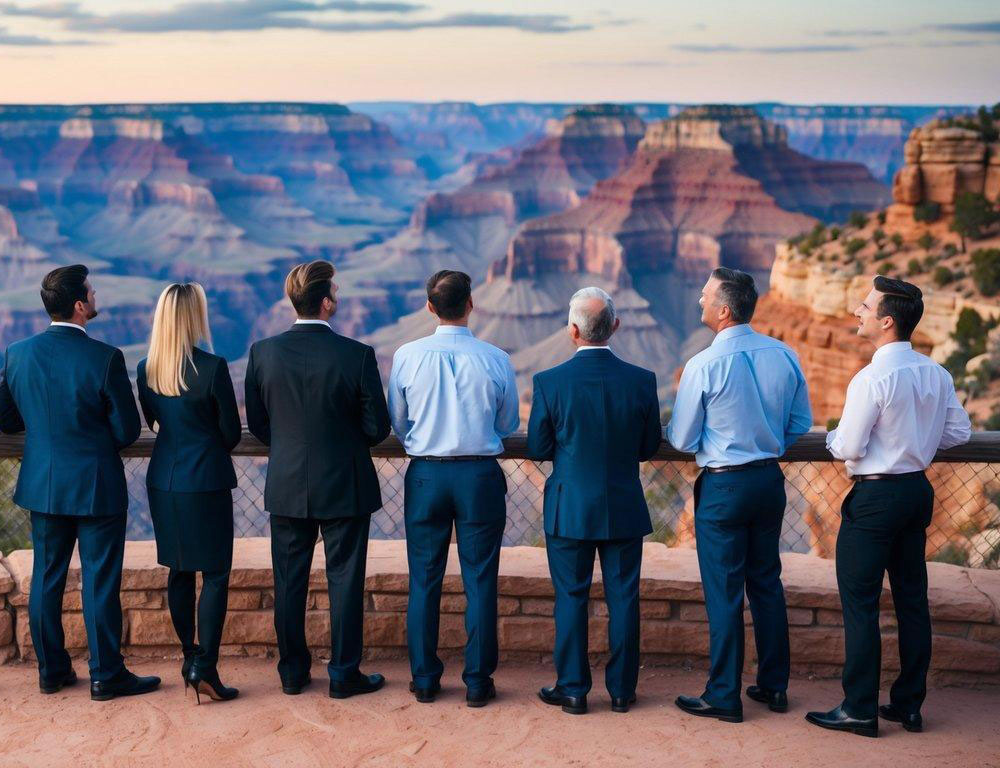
[847, 51]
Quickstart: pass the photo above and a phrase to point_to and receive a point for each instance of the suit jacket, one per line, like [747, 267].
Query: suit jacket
[315, 397]
[72, 396]
[595, 417]
[197, 429]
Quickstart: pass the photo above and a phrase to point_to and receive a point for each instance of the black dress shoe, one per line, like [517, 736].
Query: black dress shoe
[621, 703]
[838, 720]
[913, 723]
[294, 689]
[425, 694]
[123, 684]
[573, 705]
[54, 686]
[695, 705]
[360, 684]
[480, 697]
[777, 701]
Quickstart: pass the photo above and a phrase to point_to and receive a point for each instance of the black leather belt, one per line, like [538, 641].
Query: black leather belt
[884, 476]
[452, 458]
[740, 467]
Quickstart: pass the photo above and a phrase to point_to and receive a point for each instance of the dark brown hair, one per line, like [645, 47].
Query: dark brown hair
[62, 288]
[307, 285]
[448, 292]
[902, 301]
[738, 292]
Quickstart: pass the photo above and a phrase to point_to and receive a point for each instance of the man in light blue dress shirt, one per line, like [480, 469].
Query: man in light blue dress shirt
[740, 403]
[452, 400]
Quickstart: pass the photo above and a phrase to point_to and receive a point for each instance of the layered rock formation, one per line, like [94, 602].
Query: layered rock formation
[942, 162]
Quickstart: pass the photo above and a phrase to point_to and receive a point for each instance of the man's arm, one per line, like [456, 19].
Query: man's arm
[374, 411]
[119, 403]
[258, 420]
[688, 417]
[508, 418]
[398, 412]
[800, 415]
[541, 432]
[652, 433]
[849, 441]
[10, 417]
[957, 427]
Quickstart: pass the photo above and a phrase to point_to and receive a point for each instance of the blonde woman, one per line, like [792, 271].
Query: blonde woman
[187, 396]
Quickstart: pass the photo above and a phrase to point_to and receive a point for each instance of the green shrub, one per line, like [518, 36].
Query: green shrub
[878, 235]
[927, 211]
[897, 239]
[951, 553]
[943, 276]
[881, 255]
[930, 260]
[854, 245]
[992, 422]
[914, 267]
[950, 249]
[832, 424]
[986, 270]
[973, 214]
[926, 241]
[886, 267]
[881, 217]
[834, 233]
[857, 220]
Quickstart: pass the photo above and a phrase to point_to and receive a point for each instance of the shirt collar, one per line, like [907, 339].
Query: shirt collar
[62, 324]
[454, 330]
[581, 349]
[888, 349]
[310, 321]
[732, 332]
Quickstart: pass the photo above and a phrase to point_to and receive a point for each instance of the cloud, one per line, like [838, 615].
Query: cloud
[252, 15]
[767, 49]
[854, 33]
[976, 27]
[28, 41]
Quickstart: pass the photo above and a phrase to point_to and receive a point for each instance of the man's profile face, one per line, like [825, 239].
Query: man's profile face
[91, 304]
[333, 298]
[709, 309]
[869, 324]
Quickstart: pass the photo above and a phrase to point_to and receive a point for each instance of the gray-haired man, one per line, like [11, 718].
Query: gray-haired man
[595, 417]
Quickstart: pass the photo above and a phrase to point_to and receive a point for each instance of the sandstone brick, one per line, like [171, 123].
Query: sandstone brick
[244, 627]
[388, 601]
[987, 582]
[317, 628]
[453, 603]
[952, 628]
[537, 606]
[887, 620]
[244, 599]
[153, 628]
[451, 631]
[985, 633]
[597, 635]
[385, 629]
[534, 633]
[800, 616]
[267, 598]
[597, 608]
[22, 632]
[830, 618]
[6, 627]
[508, 606]
[816, 644]
[151, 599]
[959, 654]
[674, 637]
[655, 609]
[692, 612]
[319, 599]
[954, 597]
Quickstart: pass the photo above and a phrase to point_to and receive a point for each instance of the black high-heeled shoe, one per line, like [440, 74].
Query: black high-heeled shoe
[208, 682]
[186, 670]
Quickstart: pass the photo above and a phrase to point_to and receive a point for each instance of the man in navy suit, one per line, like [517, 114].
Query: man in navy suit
[72, 397]
[595, 417]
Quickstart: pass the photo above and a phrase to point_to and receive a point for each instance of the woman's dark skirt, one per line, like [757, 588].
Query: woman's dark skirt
[194, 531]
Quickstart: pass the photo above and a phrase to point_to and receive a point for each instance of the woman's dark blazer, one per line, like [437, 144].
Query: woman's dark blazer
[197, 429]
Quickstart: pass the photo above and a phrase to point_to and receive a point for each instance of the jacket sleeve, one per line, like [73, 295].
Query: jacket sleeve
[145, 401]
[374, 411]
[119, 403]
[652, 434]
[541, 431]
[225, 406]
[10, 417]
[258, 420]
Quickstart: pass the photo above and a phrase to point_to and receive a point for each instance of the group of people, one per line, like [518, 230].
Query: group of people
[315, 398]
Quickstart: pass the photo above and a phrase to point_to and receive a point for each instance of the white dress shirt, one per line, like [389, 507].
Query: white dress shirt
[311, 321]
[68, 325]
[901, 409]
[451, 394]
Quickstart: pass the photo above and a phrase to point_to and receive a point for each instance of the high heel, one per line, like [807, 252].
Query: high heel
[208, 682]
[186, 670]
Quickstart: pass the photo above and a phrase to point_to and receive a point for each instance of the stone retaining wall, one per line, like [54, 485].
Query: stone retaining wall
[965, 607]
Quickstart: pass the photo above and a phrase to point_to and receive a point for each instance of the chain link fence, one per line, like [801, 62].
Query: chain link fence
[965, 529]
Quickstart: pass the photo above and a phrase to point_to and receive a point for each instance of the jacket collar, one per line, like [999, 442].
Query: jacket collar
[318, 327]
[66, 329]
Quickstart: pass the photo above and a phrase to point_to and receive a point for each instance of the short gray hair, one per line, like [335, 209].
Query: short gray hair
[595, 327]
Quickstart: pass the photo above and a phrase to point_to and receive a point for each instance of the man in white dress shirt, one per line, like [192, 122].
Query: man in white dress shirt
[900, 410]
[452, 399]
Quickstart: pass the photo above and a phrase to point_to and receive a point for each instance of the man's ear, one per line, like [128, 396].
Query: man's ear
[469, 308]
[618, 321]
[430, 307]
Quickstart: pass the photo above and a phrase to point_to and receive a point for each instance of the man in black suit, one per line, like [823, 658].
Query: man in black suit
[595, 417]
[72, 397]
[315, 397]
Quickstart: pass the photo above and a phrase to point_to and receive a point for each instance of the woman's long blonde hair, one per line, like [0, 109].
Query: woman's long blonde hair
[179, 323]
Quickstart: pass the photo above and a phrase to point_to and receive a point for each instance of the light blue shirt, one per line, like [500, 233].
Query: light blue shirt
[742, 399]
[451, 394]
